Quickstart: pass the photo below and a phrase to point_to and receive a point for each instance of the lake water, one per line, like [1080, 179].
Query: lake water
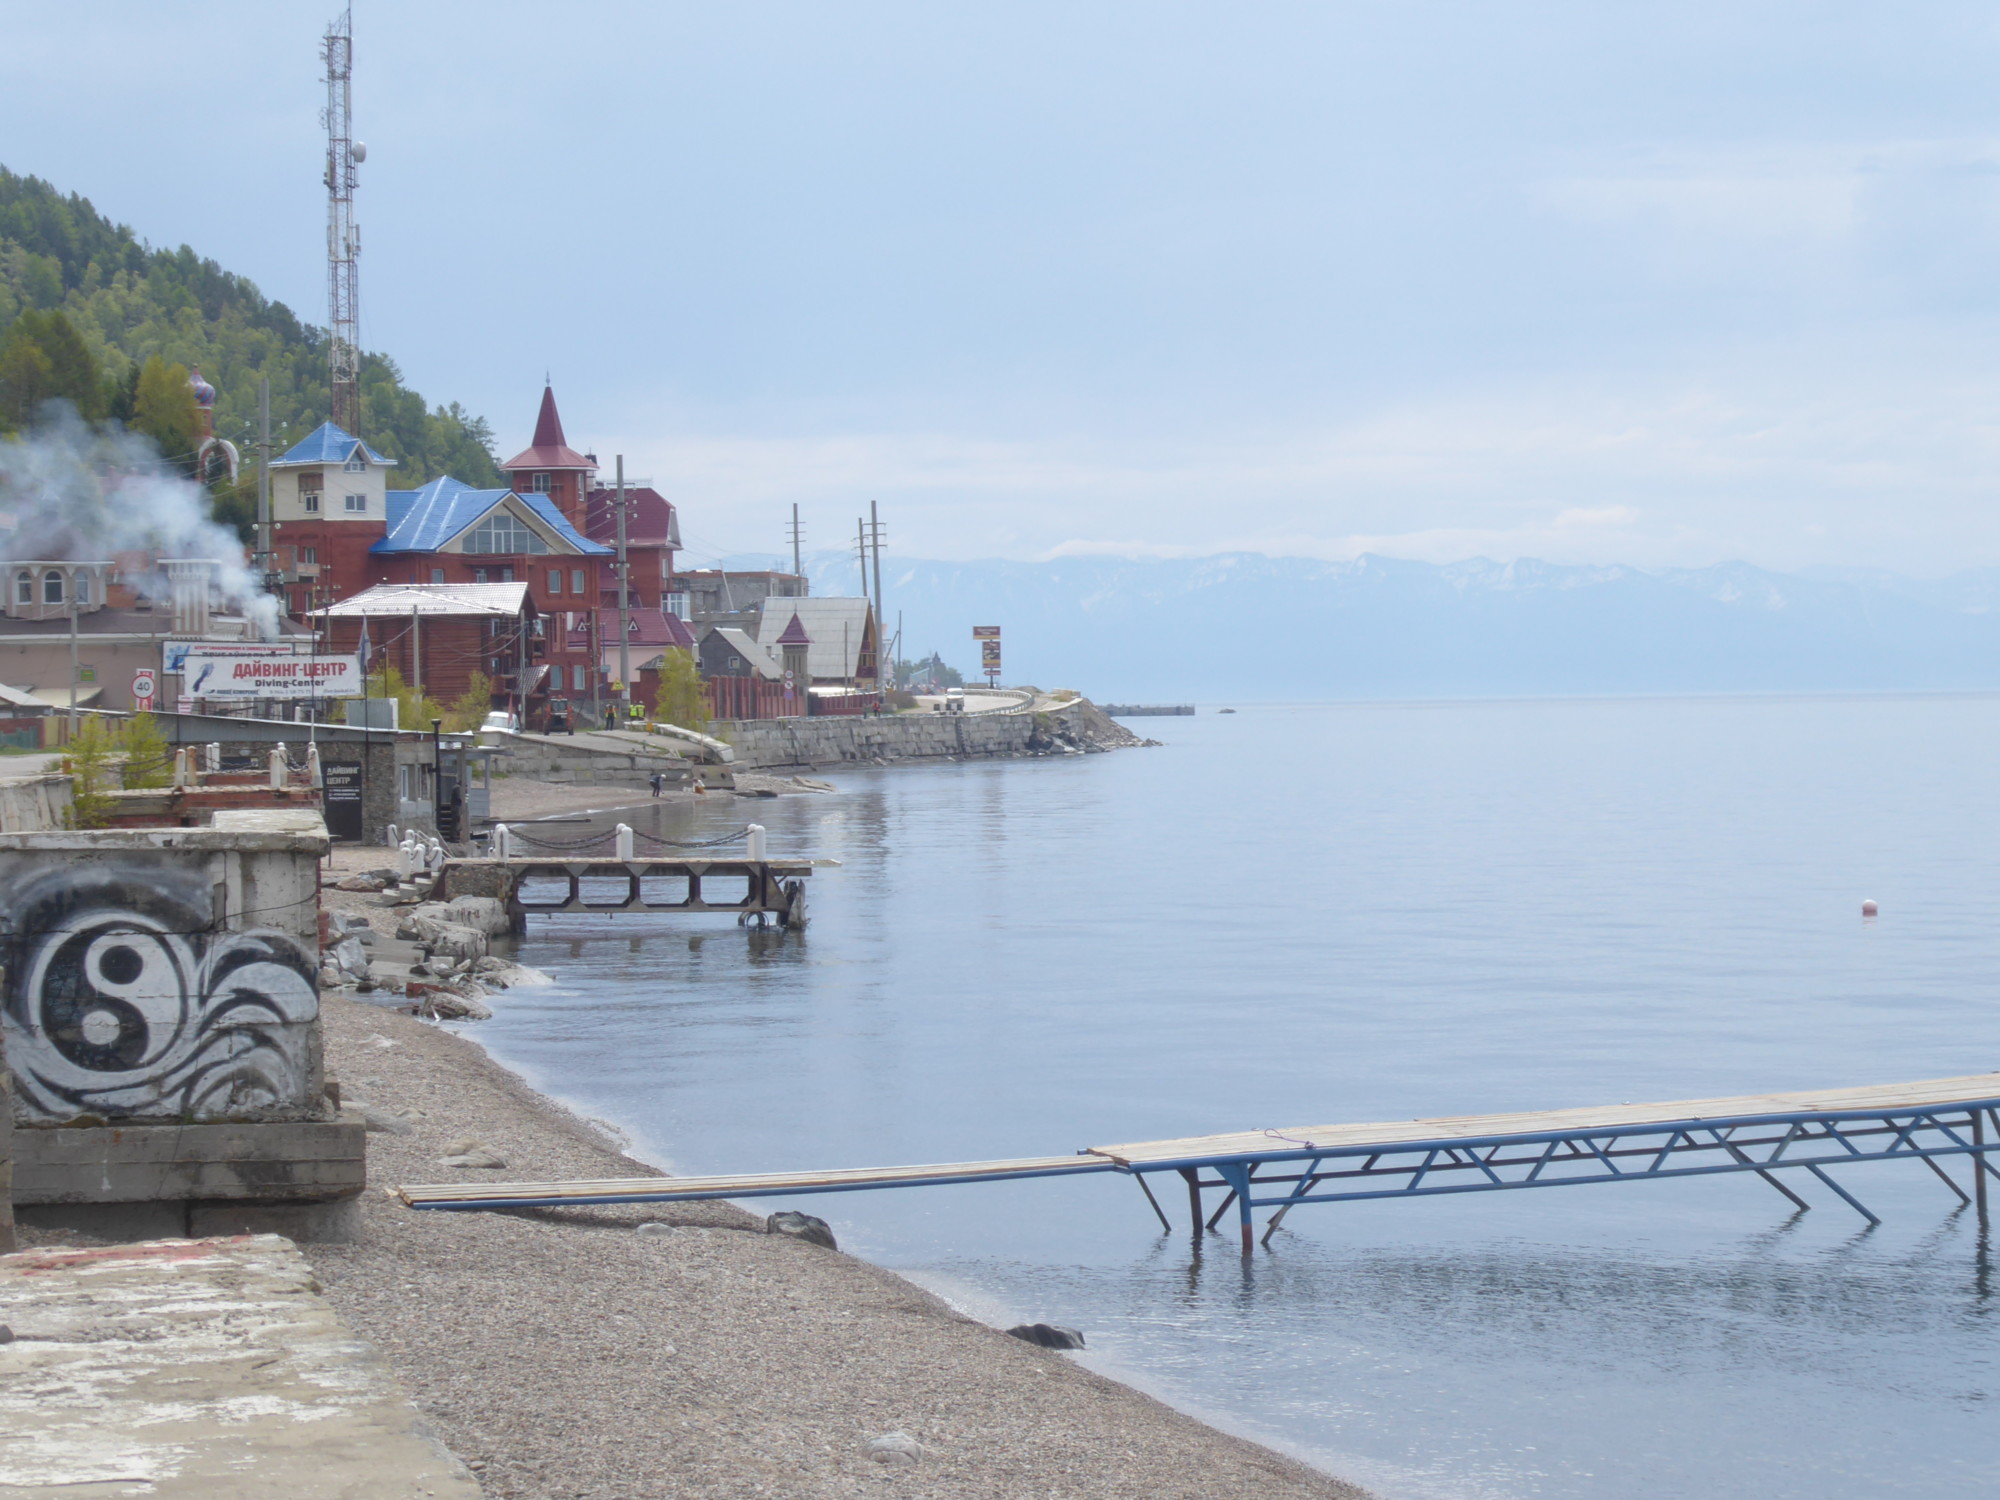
[1298, 915]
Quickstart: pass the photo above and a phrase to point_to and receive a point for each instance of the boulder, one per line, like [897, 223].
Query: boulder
[480, 1158]
[482, 913]
[444, 939]
[801, 1227]
[1047, 1335]
[895, 1448]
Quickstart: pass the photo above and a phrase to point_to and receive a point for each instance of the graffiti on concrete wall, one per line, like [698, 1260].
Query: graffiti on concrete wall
[126, 998]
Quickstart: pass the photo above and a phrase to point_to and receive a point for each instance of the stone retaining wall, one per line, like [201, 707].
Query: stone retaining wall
[891, 738]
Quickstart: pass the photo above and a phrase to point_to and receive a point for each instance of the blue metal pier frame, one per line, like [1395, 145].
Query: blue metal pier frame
[1810, 1141]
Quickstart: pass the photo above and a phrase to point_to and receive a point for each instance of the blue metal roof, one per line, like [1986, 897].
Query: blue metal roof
[427, 519]
[328, 445]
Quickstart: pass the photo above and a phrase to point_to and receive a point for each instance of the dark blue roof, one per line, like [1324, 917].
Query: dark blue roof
[425, 520]
[329, 445]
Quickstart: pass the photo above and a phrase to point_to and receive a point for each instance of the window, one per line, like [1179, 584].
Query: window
[437, 575]
[503, 531]
[356, 464]
[24, 587]
[540, 484]
[309, 556]
[356, 504]
[507, 573]
[578, 679]
[735, 663]
[555, 580]
[310, 499]
[83, 588]
[479, 575]
[576, 581]
[52, 587]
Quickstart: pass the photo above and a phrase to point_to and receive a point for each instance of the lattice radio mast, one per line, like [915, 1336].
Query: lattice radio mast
[343, 238]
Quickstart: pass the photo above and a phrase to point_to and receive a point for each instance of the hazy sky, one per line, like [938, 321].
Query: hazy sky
[1653, 283]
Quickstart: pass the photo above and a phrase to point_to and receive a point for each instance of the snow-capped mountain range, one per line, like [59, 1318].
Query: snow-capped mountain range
[1244, 626]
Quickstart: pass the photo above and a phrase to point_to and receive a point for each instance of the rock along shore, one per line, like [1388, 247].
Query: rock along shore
[563, 1353]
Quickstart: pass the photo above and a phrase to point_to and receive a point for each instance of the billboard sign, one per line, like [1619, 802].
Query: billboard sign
[989, 655]
[207, 676]
[174, 654]
[986, 632]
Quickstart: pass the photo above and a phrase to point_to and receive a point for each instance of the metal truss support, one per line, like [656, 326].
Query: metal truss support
[1767, 1145]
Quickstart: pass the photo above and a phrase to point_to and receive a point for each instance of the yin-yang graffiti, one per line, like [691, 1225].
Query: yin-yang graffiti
[130, 1013]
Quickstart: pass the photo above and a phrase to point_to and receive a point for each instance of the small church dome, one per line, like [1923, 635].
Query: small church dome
[204, 393]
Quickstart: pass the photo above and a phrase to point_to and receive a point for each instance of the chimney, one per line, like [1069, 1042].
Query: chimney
[190, 580]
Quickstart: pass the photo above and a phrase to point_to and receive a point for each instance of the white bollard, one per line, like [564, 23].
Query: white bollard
[312, 766]
[503, 841]
[181, 767]
[212, 757]
[756, 854]
[277, 768]
[624, 843]
[436, 856]
[406, 856]
[395, 836]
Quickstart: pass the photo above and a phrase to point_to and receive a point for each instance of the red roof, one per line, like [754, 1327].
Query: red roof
[649, 517]
[795, 634]
[551, 450]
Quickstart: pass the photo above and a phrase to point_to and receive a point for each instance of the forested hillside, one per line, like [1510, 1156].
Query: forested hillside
[128, 302]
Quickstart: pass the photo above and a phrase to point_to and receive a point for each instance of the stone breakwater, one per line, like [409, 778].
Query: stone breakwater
[1075, 728]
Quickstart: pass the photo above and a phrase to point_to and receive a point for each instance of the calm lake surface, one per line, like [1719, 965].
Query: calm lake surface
[1297, 915]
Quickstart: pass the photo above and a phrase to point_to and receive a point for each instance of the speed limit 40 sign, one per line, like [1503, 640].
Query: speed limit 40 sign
[144, 686]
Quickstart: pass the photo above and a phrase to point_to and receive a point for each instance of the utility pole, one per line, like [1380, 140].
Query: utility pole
[875, 541]
[861, 551]
[797, 570]
[343, 236]
[624, 607]
[75, 672]
[266, 556]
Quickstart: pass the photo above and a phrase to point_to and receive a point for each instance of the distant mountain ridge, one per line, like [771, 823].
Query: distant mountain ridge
[1246, 626]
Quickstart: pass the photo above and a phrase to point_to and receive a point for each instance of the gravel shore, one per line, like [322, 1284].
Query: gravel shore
[566, 1356]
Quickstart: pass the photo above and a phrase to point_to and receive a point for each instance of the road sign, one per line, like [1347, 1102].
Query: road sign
[986, 632]
[144, 686]
[989, 654]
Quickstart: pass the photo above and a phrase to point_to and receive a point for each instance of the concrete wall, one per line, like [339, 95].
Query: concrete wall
[554, 760]
[890, 737]
[34, 804]
[164, 975]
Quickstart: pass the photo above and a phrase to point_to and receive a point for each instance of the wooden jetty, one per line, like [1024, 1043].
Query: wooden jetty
[1282, 1168]
[770, 889]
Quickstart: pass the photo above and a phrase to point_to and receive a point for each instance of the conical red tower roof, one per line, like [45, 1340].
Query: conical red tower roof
[550, 450]
[795, 634]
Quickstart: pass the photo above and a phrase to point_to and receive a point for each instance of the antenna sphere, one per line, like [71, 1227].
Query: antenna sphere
[360, 152]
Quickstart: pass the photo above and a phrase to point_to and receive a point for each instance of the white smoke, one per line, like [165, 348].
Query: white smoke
[84, 494]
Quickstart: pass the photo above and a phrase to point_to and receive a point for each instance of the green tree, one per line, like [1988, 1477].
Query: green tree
[470, 708]
[88, 765]
[149, 759]
[42, 358]
[680, 699]
[164, 410]
[27, 379]
[413, 709]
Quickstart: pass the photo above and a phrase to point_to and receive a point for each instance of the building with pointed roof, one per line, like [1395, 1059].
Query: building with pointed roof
[549, 466]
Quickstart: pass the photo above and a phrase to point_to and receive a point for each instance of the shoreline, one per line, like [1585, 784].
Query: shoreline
[563, 1353]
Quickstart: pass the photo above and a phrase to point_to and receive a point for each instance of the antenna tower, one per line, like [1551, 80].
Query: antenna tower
[343, 239]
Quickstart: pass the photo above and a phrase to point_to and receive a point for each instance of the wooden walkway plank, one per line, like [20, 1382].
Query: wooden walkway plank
[1979, 1087]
